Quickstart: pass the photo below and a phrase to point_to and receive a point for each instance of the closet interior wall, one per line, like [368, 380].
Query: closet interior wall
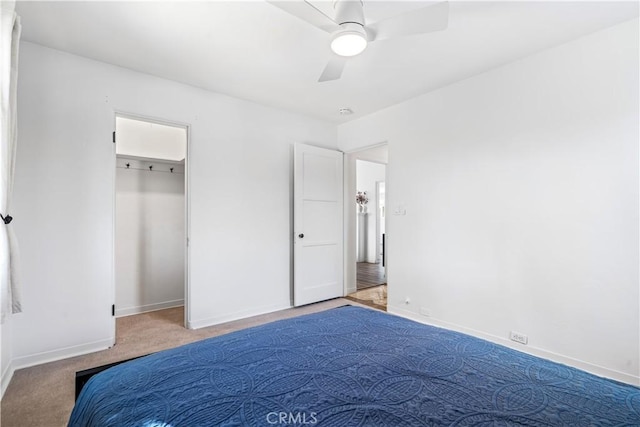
[150, 233]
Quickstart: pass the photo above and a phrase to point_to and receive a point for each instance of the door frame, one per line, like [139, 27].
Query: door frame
[187, 207]
[379, 219]
[349, 228]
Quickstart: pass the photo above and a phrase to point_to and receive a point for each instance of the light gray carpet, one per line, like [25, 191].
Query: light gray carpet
[44, 395]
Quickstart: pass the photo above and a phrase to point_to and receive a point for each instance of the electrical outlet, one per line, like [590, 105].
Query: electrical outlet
[518, 337]
[425, 311]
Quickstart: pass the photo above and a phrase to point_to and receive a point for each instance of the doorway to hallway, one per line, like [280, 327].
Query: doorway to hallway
[365, 198]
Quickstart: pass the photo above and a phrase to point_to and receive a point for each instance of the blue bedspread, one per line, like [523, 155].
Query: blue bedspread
[350, 366]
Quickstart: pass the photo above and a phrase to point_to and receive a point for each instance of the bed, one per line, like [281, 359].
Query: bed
[350, 366]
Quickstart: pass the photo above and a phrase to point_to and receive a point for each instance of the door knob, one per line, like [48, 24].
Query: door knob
[301, 235]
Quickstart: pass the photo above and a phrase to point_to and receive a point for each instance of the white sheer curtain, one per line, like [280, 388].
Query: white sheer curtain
[10, 37]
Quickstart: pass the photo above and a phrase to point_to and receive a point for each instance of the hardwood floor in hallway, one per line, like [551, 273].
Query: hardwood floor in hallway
[369, 275]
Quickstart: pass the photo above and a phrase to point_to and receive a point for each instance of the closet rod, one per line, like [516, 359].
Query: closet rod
[149, 169]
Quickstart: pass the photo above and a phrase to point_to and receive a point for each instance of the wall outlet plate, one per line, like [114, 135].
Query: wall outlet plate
[518, 337]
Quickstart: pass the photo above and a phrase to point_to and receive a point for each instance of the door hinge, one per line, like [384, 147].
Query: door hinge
[113, 309]
[114, 136]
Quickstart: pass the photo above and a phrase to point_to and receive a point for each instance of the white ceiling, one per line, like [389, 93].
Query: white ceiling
[255, 51]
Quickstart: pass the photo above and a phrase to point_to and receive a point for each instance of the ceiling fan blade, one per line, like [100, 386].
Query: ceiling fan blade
[333, 70]
[307, 12]
[425, 20]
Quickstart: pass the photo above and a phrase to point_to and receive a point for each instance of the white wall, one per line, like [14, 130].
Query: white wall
[139, 138]
[150, 236]
[521, 195]
[367, 174]
[240, 179]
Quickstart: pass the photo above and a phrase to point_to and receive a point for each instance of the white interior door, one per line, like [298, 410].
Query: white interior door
[318, 222]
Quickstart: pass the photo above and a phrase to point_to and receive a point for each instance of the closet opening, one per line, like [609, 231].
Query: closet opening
[150, 223]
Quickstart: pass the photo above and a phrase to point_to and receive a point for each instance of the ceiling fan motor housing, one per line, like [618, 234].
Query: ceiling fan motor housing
[349, 11]
[350, 38]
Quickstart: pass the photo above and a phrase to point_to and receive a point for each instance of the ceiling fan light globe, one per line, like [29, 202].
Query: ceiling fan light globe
[349, 40]
[348, 44]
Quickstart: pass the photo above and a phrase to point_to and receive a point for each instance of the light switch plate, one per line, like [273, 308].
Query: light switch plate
[400, 210]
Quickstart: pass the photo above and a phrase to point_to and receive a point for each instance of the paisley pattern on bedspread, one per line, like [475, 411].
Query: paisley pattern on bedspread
[350, 367]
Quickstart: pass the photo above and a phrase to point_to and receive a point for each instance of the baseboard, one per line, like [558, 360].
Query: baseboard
[237, 315]
[130, 311]
[6, 378]
[59, 354]
[534, 351]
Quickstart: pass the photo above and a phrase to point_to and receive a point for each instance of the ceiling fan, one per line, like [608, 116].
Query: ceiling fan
[349, 33]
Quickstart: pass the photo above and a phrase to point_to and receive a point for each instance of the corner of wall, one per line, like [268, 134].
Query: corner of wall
[6, 354]
[7, 375]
